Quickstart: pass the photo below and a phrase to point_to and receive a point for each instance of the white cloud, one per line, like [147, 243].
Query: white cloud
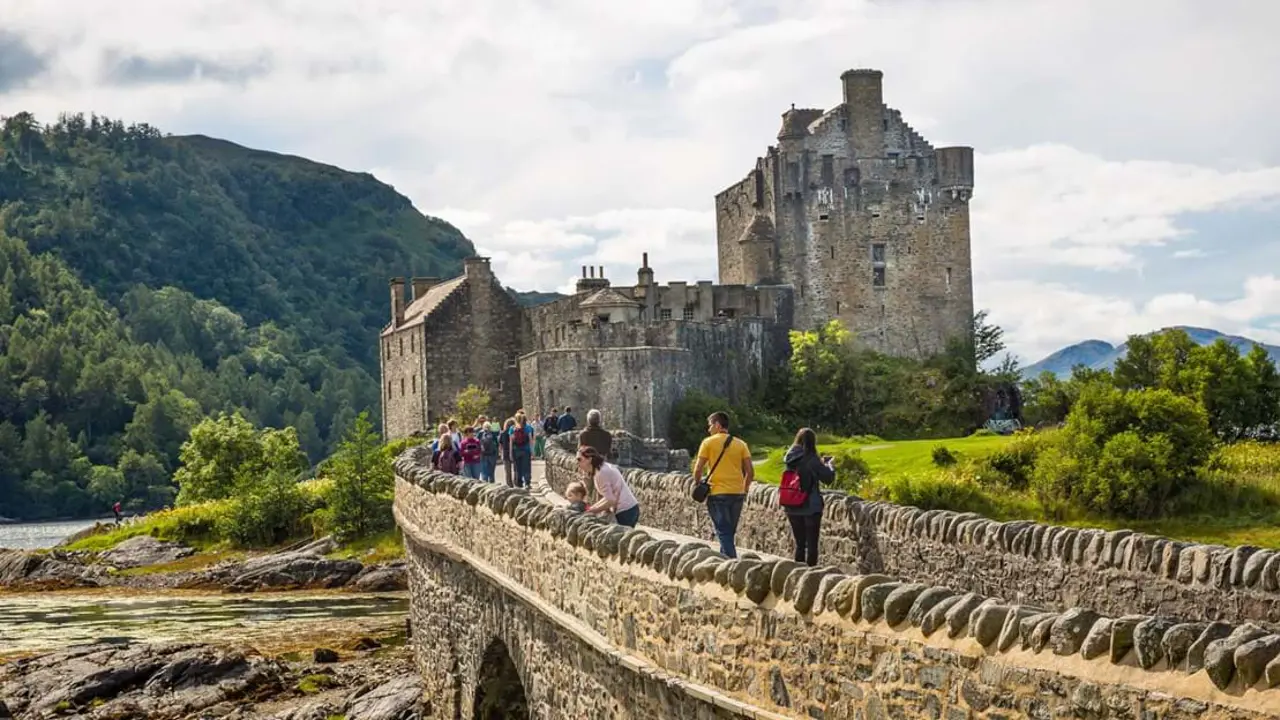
[571, 132]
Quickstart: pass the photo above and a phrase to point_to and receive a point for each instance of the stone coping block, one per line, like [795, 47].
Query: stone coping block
[1232, 656]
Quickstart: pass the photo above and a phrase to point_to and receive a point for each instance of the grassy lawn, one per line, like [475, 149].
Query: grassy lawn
[888, 459]
[1239, 501]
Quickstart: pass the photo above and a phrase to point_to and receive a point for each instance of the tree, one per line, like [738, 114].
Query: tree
[212, 457]
[472, 402]
[988, 339]
[363, 483]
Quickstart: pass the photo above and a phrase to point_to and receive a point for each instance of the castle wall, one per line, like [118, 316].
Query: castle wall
[404, 391]
[638, 385]
[735, 207]
[632, 386]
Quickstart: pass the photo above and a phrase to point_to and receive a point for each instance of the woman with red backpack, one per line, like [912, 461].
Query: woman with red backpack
[800, 495]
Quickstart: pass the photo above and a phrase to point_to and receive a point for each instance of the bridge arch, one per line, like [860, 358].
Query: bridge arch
[500, 693]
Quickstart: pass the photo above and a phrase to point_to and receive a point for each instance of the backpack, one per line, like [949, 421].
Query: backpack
[790, 491]
[471, 450]
[519, 438]
[488, 443]
[447, 462]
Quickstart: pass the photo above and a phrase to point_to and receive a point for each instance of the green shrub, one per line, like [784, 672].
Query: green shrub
[943, 457]
[1125, 453]
[1011, 466]
[851, 469]
[932, 491]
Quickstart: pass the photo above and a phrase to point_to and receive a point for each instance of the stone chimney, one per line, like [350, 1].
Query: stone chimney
[397, 301]
[589, 282]
[477, 268]
[645, 275]
[421, 285]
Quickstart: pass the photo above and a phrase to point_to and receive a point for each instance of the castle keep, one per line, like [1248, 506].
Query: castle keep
[851, 216]
[866, 220]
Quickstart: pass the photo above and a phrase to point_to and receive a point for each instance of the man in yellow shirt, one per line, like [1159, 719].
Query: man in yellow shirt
[730, 475]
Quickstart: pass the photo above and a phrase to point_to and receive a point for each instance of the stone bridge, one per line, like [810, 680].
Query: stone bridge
[523, 609]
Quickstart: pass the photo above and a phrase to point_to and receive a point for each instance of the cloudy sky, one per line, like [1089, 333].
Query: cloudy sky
[1128, 162]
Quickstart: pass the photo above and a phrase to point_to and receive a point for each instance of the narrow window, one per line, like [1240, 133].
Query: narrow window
[877, 252]
[886, 123]
[824, 216]
[401, 349]
[414, 381]
[948, 279]
[413, 344]
[877, 277]
[401, 387]
[837, 307]
[833, 252]
[828, 170]
[688, 312]
[664, 314]
[388, 389]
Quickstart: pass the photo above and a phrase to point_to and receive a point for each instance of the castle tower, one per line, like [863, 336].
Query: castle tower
[866, 220]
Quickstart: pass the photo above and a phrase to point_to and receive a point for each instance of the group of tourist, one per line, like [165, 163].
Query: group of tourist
[475, 450]
[729, 474]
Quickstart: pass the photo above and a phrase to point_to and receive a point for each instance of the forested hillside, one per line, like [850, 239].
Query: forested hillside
[149, 281]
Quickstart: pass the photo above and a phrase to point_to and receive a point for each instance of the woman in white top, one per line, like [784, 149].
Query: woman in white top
[615, 494]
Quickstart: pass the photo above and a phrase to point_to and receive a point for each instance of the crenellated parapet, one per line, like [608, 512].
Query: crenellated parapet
[1111, 571]
[767, 637]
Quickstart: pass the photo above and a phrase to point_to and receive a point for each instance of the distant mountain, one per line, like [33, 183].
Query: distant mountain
[1101, 355]
[529, 298]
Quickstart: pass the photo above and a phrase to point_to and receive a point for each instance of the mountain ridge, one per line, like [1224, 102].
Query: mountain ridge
[1102, 355]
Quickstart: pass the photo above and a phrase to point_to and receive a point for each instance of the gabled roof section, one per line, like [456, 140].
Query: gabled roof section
[608, 298]
[423, 306]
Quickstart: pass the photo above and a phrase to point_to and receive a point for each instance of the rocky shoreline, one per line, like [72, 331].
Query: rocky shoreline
[363, 680]
[300, 568]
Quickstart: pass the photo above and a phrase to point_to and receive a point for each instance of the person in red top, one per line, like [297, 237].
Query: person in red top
[116, 509]
[472, 452]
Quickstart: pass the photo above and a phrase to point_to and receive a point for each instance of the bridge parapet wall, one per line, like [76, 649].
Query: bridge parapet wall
[778, 637]
[1115, 572]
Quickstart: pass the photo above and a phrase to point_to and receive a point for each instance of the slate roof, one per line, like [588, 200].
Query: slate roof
[423, 306]
[608, 298]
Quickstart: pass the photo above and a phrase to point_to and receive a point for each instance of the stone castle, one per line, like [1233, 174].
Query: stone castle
[866, 220]
[852, 216]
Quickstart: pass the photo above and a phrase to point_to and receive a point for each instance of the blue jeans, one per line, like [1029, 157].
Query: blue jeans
[725, 510]
[471, 470]
[488, 466]
[524, 469]
[628, 517]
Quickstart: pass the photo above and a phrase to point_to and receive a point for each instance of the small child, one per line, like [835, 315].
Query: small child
[576, 494]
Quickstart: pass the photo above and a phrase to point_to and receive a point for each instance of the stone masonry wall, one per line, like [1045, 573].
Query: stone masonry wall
[403, 357]
[1115, 572]
[814, 642]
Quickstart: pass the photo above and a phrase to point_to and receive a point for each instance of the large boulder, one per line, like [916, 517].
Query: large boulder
[382, 578]
[162, 681]
[398, 699]
[291, 571]
[54, 570]
[144, 550]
